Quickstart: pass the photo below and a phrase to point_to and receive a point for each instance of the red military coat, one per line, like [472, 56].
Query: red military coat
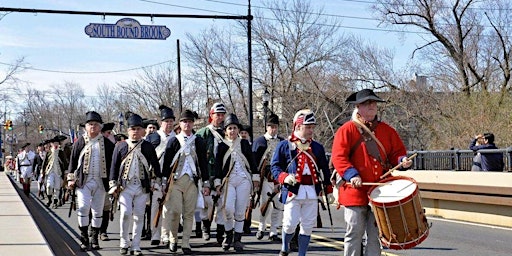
[361, 162]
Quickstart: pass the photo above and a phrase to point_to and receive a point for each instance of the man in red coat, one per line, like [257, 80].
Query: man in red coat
[363, 150]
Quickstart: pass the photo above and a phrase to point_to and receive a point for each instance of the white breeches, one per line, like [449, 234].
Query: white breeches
[303, 211]
[133, 203]
[90, 198]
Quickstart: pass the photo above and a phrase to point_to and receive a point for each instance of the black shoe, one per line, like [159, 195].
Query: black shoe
[281, 253]
[173, 247]
[155, 242]
[274, 238]
[187, 251]
[260, 234]
[123, 251]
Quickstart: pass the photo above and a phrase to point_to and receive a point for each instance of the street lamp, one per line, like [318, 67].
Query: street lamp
[120, 118]
[265, 98]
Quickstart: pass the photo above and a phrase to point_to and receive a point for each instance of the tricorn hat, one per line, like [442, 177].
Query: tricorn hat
[166, 112]
[93, 116]
[362, 96]
[246, 128]
[133, 120]
[59, 138]
[273, 119]
[232, 119]
[120, 137]
[188, 115]
[147, 122]
[107, 127]
[24, 145]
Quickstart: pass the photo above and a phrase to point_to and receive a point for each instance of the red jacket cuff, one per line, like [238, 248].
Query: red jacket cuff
[281, 177]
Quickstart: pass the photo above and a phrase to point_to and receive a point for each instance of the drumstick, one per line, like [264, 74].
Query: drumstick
[398, 166]
[375, 183]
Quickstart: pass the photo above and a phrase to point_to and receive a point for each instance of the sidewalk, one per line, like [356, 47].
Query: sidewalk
[19, 234]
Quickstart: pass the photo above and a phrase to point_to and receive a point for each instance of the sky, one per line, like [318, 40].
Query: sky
[57, 50]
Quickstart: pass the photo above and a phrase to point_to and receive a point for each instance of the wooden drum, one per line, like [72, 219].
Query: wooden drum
[400, 217]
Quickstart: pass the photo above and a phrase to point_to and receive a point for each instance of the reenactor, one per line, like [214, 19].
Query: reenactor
[235, 178]
[134, 163]
[299, 164]
[263, 148]
[54, 169]
[184, 163]
[163, 135]
[91, 157]
[213, 134]
[24, 161]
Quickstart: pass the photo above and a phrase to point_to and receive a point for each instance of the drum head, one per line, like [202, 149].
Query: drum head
[394, 191]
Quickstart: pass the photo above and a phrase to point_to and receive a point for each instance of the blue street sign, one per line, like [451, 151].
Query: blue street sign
[127, 28]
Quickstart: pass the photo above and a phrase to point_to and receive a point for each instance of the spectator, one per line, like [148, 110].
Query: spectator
[490, 162]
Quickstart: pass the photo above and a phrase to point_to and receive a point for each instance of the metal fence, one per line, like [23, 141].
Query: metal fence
[455, 160]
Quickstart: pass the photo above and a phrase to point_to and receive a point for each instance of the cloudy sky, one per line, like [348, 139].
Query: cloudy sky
[57, 50]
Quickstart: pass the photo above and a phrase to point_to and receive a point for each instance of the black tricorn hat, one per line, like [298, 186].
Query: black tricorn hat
[24, 145]
[93, 116]
[273, 119]
[107, 127]
[166, 112]
[133, 119]
[188, 115]
[120, 137]
[362, 96]
[44, 142]
[59, 138]
[147, 122]
[232, 119]
[246, 128]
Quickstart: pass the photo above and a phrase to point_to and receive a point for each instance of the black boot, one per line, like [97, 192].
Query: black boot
[220, 234]
[104, 226]
[49, 200]
[237, 244]
[84, 238]
[94, 239]
[206, 230]
[199, 233]
[228, 240]
[247, 227]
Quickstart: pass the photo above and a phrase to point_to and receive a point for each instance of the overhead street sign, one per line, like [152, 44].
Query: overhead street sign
[127, 28]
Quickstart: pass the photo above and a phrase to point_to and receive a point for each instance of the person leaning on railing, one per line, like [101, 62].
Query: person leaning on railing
[492, 162]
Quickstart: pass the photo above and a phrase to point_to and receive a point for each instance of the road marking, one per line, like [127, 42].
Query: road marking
[470, 223]
[330, 242]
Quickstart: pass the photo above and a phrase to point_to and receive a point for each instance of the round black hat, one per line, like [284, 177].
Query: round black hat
[166, 112]
[188, 115]
[133, 120]
[232, 119]
[93, 116]
[273, 119]
[362, 96]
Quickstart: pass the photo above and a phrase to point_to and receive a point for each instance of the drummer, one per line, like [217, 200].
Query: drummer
[363, 149]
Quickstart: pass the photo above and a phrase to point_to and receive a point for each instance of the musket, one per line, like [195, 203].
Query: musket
[215, 199]
[264, 207]
[72, 206]
[319, 223]
[163, 199]
[324, 189]
[262, 168]
[113, 207]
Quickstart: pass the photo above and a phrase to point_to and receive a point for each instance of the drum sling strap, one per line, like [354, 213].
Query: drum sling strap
[372, 143]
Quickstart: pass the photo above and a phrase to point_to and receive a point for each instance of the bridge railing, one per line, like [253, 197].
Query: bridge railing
[456, 159]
